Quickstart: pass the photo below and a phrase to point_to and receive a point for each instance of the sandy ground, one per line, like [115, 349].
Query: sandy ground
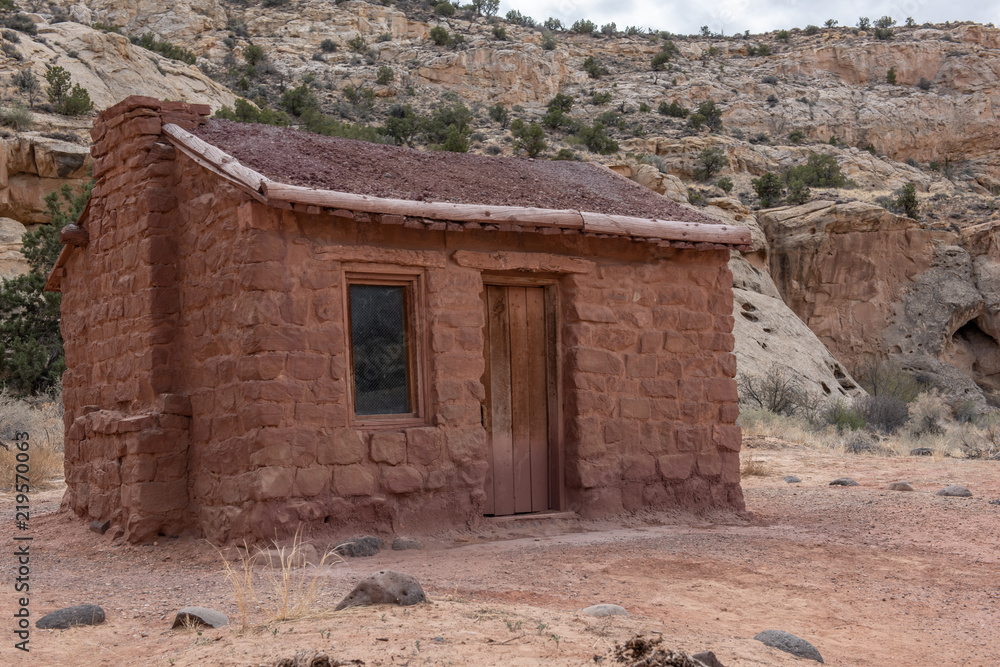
[868, 576]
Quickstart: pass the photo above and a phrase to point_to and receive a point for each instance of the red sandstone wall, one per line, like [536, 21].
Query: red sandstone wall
[207, 354]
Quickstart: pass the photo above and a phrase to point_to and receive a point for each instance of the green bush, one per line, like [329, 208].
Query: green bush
[843, 417]
[811, 30]
[359, 96]
[596, 139]
[328, 46]
[883, 27]
[886, 378]
[29, 317]
[517, 18]
[244, 112]
[600, 98]
[298, 100]
[798, 192]
[644, 108]
[584, 27]
[769, 189]
[317, 122]
[890, 76]
[528, 138]
[796, 136]
[820, 171]
[67, 98]
[500, 114]
[566, 154]
[448, 127]
[864, 23]
[166, 49]
[783, 35]
[18, 117]
[711, 113]
[499, 32]
[593, 68]
[253, 55]
[357, 44]
[384, 76]
[557, 108]
[710, 162]
[19, 22]
[401, 124]
[438, 34]
[907, 201]
[444, 9]
[674, 110]
[486, 7]
[548, 40]
[725, 184]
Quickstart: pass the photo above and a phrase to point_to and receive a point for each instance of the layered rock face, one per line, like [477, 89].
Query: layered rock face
[31, 166]
[871, 283]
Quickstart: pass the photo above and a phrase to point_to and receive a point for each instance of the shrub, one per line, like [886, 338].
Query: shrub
[244, 112]
[486, 7]
[68, 99]
[831, 23]
[357, 44]
[275, 3]
[548, 40]
[401, 124]
[769, 189]
[438, 34]
[798, 192]
[499, 32]
[710, 162]
[12, 36]
[166, 49]
[883, 27]
[772, 100]
[660, 60]
[359, 96]
[884, 413]
[796, 136]
[886, 378]
[924, 84]
[864, 23]
[298, 100]
[29, 317]
[19, 22]
[596, 139]
[674, 110]
[907, 201]
[27, 84]
[384, 76]
[18, 118]
[317, 122]
[238, 28]
[584, 27]
[711, 113]
[566, 154]
[890, 76]
[783, 35]
[499, 114]
[448, 127]
[820, 170]
[644, 108]
[528, 138]
[444, 9]
[253, 54]
[777, 391]
[516, 17]
[593, 68]
[725, 184]
[599, 98]
[770, 79]
[328, 46]
[811, 30]
[841, 416]
[552, 24]
[609, 29]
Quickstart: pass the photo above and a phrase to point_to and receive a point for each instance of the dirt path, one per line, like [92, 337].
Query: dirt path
[868, 576]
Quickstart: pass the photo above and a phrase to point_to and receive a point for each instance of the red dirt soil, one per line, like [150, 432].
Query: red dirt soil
[344, 165]
[868, 576]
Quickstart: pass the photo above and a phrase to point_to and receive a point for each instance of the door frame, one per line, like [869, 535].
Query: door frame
[553, 374]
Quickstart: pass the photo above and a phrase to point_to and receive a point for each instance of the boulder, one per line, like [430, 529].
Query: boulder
[900, 486]
[601, 610]
[789, 643]
[200, 616]
[385, 587]
[843, 481]
[954, 491]
[84, 614]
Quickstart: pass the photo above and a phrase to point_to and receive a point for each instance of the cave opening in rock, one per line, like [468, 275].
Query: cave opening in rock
[976, 353]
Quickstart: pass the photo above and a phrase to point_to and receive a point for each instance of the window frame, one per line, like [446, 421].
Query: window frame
[414, 307]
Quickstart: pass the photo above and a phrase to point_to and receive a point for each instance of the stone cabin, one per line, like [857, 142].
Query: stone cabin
[268, 330]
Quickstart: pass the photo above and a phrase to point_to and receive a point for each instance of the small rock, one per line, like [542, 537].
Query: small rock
[100, 527]
[789, 643]
[84, 614]
[366, 545]
[708, 659]
[900, 486]
[955, 491]
[601, 610]
[921, 451]
[404, 543]
[200, 616]
[843, 481]
[385, 587]
[792, 479]
[995, 502]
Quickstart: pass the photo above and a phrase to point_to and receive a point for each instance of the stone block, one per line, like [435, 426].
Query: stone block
[729, 413]
[638, 467]
[388, 447]
[311, 481]
[423, 445]
[709, 463]
[640, 365]
[623, 431]
[343, 447]
[676, 466]
[634, 408]
[651, 342]
[692, 438]
[727, 436]
[273, 482]
[659, 388]
[466, 445]
[593, 312]
[306, 366]
[722, 390]
[176, 404]
[402, 479]
[590, 360]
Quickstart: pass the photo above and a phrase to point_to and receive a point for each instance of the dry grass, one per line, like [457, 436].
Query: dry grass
[753, 466]
[42, 421]
[284, 583]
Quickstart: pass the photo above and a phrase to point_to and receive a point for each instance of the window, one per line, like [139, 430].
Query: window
[383, 348]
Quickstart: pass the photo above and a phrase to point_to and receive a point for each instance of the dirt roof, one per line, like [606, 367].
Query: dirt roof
[345, 165]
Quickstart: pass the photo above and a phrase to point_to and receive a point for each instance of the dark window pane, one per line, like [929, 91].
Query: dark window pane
[379, 347]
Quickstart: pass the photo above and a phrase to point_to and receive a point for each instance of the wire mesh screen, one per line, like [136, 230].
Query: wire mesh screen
[379, 348]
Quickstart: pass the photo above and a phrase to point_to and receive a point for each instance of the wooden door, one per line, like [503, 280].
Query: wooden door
[515, 414]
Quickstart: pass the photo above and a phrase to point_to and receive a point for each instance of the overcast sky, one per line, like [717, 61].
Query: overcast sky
[735, 16]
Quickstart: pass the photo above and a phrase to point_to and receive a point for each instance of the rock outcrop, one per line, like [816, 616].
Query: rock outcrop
[33, 165]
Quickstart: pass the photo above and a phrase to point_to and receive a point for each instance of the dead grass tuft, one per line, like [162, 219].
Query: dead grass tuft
[753, 466]
[288, 587]
[42, 421]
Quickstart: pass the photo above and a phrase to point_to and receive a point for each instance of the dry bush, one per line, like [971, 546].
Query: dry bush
[288, 587]
[881, 412]
[751, 466]
[929, 413]
[777, 391]
[981, 441]
[41, 419]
